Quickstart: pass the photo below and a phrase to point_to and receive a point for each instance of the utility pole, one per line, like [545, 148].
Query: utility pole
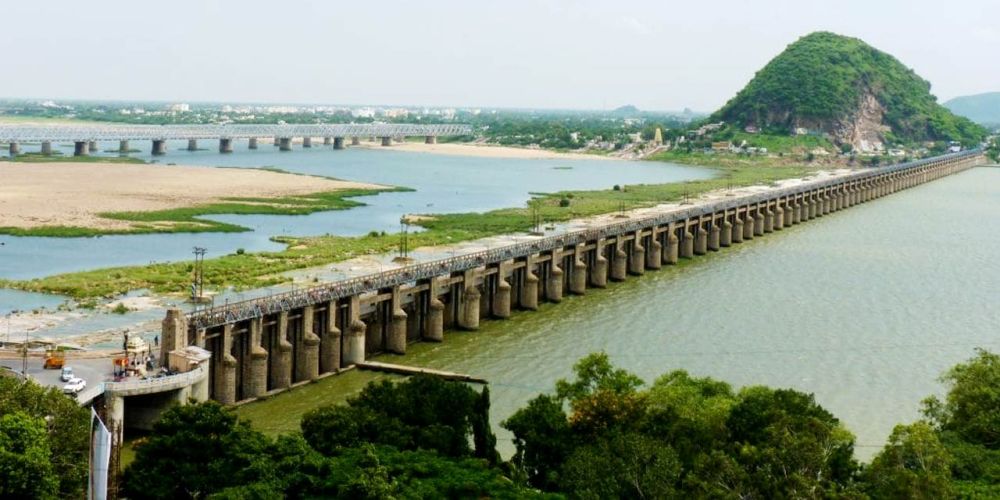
[198, 286]
[404, 244]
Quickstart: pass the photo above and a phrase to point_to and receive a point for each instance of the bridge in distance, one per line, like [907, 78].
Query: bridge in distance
[86, 137]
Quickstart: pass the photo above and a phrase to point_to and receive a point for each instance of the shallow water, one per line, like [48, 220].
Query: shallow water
[865, 308]
[442, 184]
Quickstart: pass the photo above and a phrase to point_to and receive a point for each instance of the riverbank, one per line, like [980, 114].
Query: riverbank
[482, 150]
[93, 198]
[261, 269]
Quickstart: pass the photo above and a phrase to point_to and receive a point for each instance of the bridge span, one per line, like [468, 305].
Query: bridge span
[86, 137]
[263, 346]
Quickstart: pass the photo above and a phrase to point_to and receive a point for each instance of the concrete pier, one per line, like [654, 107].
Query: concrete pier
[252, 143]
[46, 148]
[654, 251]
[261, 347]
[431, 139]
[386, 141]
[578, 280]
[529, 290]
[700, 240]
[619, 262]
[307, 142]
[397, 327]
[338, 143]
[672, 255]
[434, 328]
[354, 336]
[687, 243]
[469, 317]
[327, 140]
[355, 141]
[726, 234]
[93, 147]
[81, 148]
[714, 237]
[193, 145]
[13, 148]
[123, 147]
[554, 284]
[284, 143]
[637, 259]
[599, 269]
[225, 145]
[159, 147]
[502, 295]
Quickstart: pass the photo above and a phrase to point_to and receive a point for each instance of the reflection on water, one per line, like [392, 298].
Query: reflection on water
[865, 308]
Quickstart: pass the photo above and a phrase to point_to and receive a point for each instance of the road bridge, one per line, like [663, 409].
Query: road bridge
[266, 345]
[86, 137]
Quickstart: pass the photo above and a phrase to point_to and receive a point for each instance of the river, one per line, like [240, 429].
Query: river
[441, 184]
[864, 308]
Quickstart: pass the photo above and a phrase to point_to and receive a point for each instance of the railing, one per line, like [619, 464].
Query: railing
[113, 132]
[254, 308]
[171, 381]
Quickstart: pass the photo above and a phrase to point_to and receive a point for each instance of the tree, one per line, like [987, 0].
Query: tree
[788, 444]
[543, 440]
[25, 467]
[972, 407]
[596, 373]
[67, 429]
[196, 450]
[914, 464]
[422, 412]
[622, 465]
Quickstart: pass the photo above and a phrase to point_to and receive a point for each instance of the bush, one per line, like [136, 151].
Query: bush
[564, 202]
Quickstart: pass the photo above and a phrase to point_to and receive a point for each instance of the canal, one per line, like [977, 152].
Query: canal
[864, 308]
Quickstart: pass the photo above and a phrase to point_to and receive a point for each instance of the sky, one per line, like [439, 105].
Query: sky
[655, 54]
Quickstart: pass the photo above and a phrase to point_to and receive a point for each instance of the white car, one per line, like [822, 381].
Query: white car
[67, 374]
[74, 385]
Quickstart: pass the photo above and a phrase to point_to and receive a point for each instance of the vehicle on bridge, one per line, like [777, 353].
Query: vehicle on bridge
[74, 386]
[54, 359]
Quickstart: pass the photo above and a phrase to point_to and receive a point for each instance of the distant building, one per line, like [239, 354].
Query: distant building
[721, 146]
[179, 108]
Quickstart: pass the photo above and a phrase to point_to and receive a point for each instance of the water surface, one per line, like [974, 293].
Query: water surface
[864, 308]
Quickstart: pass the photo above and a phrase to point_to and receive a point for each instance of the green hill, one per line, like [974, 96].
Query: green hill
[848, 91]
[980, 108]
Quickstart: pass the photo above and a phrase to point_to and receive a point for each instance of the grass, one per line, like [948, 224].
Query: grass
[254, 270]
[60, 158]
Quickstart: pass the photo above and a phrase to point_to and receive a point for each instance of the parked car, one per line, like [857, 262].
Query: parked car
[67, 374]
[74, 385]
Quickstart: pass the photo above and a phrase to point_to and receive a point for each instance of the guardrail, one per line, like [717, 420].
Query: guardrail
[167, 381]
[253, 308]
[34, 133]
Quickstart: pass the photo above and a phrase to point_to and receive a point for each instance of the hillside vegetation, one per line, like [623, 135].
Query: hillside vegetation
[845, 89]
[980, 108]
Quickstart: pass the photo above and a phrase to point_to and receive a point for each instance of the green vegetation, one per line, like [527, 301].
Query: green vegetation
[59, 158]
[190, 219]
[43, 442]
[251, 270]
[602, 434]
[823, 80]
[407, 440]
